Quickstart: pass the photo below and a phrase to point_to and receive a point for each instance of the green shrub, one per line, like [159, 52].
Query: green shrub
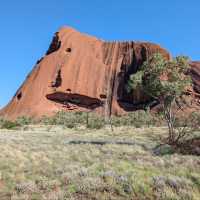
[46, 120]
[74, 119]
[21, 121]
[66, 119]
[24, 120]
[137, 118]
[6, 124]
[90, 120]
[1, 121]
[95, 122]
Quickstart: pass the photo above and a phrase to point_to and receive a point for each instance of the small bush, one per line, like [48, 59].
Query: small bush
[25, 120]
[19, 122]
[95, 122]
[1, 121]
[164, 149]
[6, 124]
[137, 118]
[186, 128]
[74, 119]
[46, 120]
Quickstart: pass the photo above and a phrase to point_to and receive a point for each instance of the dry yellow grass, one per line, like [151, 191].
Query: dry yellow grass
[39, 163]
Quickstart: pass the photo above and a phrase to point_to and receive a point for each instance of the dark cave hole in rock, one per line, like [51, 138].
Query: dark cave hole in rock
[68, 90]
[19, 96]
[68, 50]
[102, 96]
[131, 101]
[76, 99]
[58, 80]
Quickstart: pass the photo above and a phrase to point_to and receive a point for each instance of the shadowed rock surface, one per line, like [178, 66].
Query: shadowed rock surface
[80, 72]
[195, 71]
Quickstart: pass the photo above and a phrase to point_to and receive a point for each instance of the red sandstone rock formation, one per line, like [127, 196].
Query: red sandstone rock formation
[195, 72]
[80, 72]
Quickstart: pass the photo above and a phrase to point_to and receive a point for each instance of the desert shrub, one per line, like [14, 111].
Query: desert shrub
[95, 122]
[1, 121]
[6, 124]
[165, 81]
[186, 127]
[74, 119]
[138, 119]
[163, 149]
[21, 121]
[24, 120]
[60, 118]
[190, 120]
[45, 120]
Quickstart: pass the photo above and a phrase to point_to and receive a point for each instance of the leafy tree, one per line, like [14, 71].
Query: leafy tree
[165, 81]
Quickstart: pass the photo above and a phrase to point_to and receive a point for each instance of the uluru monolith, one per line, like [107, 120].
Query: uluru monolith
[81, 73]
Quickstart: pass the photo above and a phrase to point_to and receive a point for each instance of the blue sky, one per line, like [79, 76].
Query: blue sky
[28, 26]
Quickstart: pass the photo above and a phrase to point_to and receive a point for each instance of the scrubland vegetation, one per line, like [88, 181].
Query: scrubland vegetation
[41, 159]
[166, 82]
[139, 156]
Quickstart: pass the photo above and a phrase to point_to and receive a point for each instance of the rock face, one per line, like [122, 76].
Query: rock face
[80, 72]
[195, 72]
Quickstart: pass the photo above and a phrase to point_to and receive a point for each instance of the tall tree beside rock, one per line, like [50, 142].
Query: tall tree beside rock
[165, 81]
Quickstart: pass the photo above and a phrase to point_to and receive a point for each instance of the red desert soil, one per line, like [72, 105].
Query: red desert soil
[80, 72]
